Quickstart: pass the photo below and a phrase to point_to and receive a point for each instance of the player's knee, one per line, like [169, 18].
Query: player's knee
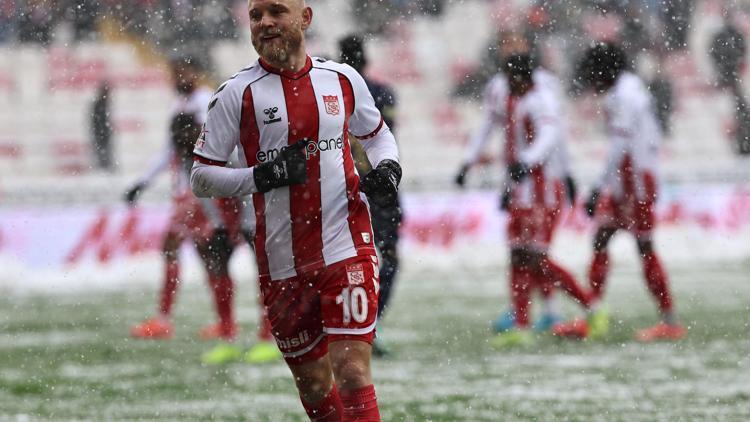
[351, 374]
[313, 389]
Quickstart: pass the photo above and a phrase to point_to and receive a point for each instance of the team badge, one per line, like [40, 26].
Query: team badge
[332, 104]
[355, 274]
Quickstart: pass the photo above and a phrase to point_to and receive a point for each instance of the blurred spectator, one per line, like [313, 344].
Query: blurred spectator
[7, 19]
[101, 128]
[728, 49]
[676, 16]
[374, 17]
[84, 15]
[36, 21]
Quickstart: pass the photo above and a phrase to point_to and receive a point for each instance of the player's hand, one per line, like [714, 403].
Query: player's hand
[571, 189]
[288, 168]
[505, 200]
[460, 179]
[590, 205]
[381, 184]
[517, 171]
[132, 194]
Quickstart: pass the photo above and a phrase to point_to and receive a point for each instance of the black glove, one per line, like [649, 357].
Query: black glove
[288, 168]
[461, 176]
[505, 200]
[381, 184]
[571, 189]
[517, 171]
[590, 205]
[132, 194]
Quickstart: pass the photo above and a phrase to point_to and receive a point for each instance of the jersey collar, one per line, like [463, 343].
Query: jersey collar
[291, 75]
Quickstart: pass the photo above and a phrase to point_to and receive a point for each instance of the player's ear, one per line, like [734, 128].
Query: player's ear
[307, 15]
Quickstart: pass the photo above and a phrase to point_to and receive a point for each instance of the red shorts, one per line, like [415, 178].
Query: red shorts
[189, 220]
[338, 302]
[628, 214]
[532, 227]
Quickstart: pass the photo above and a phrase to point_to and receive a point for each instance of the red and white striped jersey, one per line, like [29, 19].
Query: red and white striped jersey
[497, 104]
[537, 132]
[261, 110]
[634, 136]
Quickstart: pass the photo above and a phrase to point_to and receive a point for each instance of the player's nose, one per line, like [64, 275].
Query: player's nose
[267, 21]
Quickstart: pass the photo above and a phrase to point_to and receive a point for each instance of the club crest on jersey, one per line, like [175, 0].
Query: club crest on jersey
[271, 114]
[355, 274]
[332, 104]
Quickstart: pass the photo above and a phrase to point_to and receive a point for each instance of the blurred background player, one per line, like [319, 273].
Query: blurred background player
[205, 221]
[498, 108]
[264, 349]
[625, 196]
[386, 220]
[535, 193]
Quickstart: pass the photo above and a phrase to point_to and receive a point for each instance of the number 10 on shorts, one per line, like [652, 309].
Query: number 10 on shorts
[353, 301]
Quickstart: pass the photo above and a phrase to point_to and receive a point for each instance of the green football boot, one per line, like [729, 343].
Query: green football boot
[263, 352]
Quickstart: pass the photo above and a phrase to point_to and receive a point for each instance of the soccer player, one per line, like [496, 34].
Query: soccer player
[625, 195]
[204, 221]
[534, 195]
[499, 106]
[385, 220]
[290, 115]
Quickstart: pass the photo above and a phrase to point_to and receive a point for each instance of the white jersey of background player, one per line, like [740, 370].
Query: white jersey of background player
[537, 116]
[495, 107]
[634, 136]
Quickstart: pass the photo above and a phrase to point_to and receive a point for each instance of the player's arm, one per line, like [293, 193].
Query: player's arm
[483, 133]
[379, 144]
[210, 177]
[157, 166]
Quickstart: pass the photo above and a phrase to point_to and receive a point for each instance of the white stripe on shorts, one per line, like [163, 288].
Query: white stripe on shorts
[355, 331]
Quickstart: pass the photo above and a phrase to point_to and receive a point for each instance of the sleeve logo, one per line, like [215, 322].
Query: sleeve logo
[332, 104]
[201, 142]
